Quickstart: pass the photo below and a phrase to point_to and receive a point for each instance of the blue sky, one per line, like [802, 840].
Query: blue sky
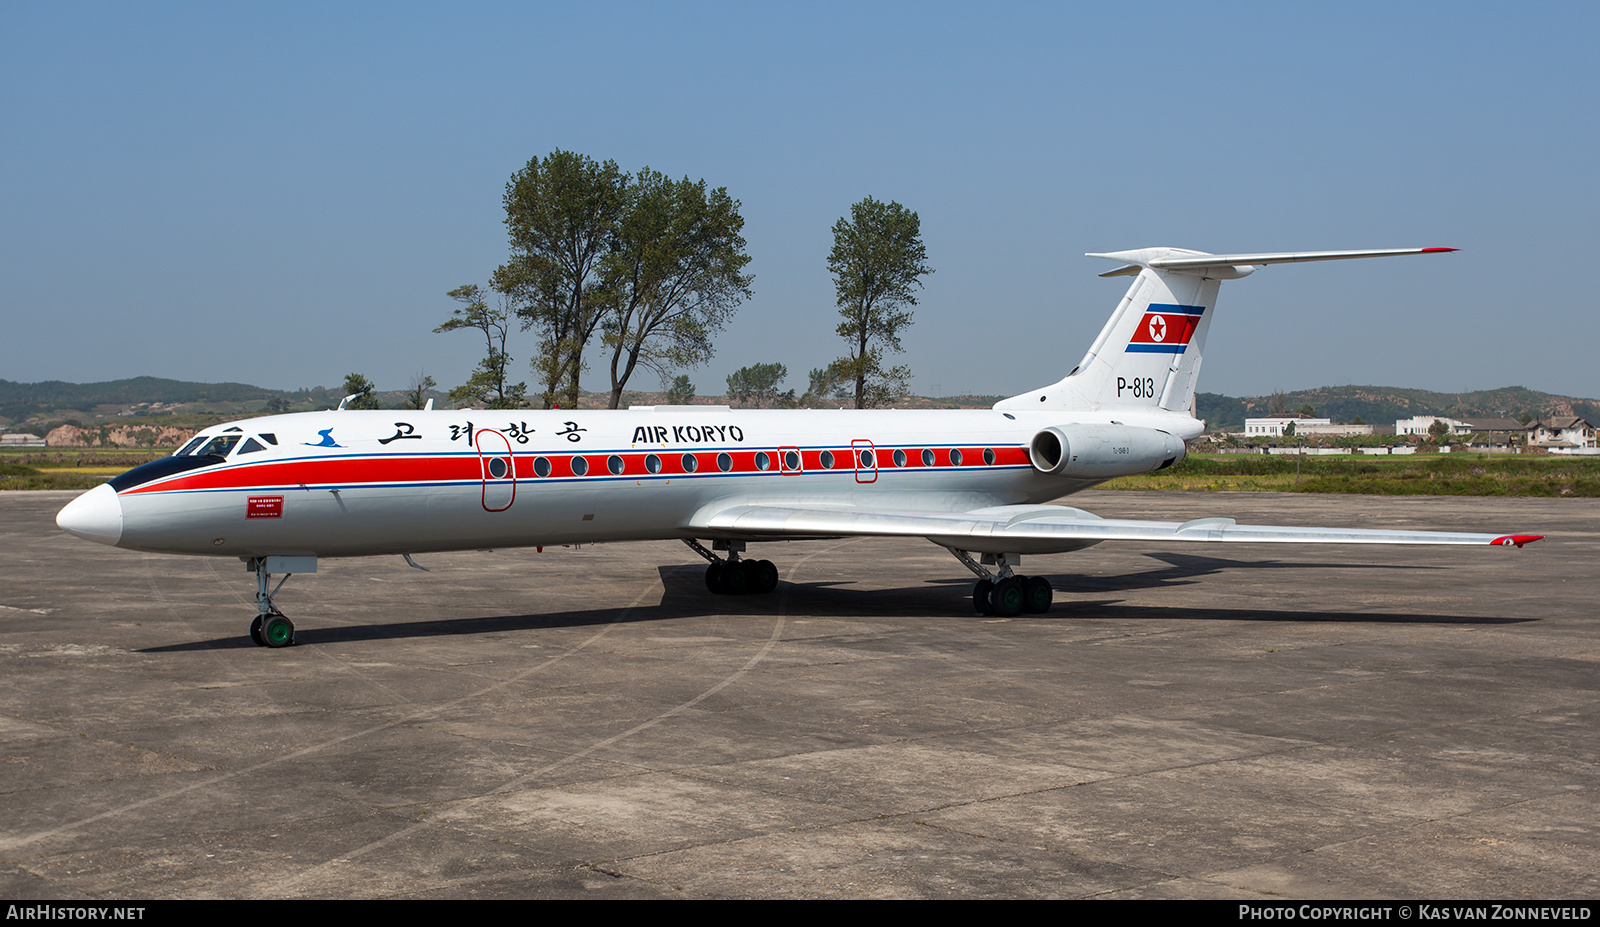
[282, 193]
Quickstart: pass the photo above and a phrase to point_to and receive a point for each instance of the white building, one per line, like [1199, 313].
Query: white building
[1273, 425]
[1419, 425]
[1338, 431]
[1564, 434]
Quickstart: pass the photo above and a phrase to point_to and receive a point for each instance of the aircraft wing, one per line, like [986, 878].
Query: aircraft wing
[1038, 528]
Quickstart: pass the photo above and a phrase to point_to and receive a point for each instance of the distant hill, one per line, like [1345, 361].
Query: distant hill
[39, 406]
[118, 392]
[32, 406]
[1382, 405]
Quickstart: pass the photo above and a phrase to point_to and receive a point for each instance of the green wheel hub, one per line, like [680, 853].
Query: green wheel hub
[277, 631]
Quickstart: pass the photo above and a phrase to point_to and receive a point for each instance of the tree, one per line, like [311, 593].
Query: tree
[277, 404]
[673, 276]
[823, 386]
[1277, 403]
[1306, 411]
[487, 385]
[1438, 430]
[1288, 430]
[417, 392]
[358, 386]
[681, 392]
[877, 262]
[561, 217]
[757, 385]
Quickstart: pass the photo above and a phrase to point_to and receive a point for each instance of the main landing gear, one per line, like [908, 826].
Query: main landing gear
[734, 576]
[1005, 593]
[272, 628]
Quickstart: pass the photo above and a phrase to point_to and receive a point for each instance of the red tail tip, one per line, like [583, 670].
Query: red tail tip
[1435, 250]
[1517, 539]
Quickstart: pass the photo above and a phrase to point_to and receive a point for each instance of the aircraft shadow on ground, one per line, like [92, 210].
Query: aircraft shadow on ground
[684, 595]
[1181, 570]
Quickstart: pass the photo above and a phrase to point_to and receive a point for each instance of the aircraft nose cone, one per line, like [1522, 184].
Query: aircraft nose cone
[95, 516]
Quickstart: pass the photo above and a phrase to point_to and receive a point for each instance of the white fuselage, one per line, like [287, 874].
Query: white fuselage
[351, 483]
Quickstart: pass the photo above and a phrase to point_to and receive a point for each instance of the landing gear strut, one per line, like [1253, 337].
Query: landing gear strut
[271, 628]
[734, 576]
[1005, 593]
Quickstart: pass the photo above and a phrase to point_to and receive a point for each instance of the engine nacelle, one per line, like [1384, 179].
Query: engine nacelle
[1100, 452]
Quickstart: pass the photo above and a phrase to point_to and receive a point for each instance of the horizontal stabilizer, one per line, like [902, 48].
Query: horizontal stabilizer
[1184, 260]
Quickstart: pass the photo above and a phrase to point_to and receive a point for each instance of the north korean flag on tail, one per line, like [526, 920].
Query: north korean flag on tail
[1165, 329]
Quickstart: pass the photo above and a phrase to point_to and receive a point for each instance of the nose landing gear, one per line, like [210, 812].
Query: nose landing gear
[272, 628]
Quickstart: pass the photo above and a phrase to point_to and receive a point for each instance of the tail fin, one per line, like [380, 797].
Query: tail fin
[1148, 355]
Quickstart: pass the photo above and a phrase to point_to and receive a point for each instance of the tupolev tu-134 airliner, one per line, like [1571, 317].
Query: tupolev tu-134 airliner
[281, 491]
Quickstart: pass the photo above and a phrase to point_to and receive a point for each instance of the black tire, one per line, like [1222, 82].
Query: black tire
[735, 578]
[766, 577]
[1036, 595]
[714, 577]
[980, 597]
[277, 631]
[255, 632]
[1006, 599]
[752, 575]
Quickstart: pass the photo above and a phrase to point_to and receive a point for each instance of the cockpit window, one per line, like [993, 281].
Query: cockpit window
[250, 446]
[156, 469]
[188, 449]
[270, 438]
[219, 446]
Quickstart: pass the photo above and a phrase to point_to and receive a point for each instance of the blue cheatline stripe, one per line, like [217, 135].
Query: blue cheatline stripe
[608, 478]
[1175, 309]
[1156, 348]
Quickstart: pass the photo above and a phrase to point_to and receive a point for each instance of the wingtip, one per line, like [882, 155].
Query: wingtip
[1438, 250]
[1517, 540]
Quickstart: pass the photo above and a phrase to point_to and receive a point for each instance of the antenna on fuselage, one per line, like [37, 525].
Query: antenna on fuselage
[347, 399]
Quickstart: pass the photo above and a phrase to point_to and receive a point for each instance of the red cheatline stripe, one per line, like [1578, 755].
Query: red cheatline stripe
[343, 471]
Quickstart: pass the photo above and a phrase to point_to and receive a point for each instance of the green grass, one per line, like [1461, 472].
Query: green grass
[1415, 474]
[55, 468]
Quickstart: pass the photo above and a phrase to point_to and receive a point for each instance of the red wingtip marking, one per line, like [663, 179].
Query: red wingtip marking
[1517, 539]
[1432, 250]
